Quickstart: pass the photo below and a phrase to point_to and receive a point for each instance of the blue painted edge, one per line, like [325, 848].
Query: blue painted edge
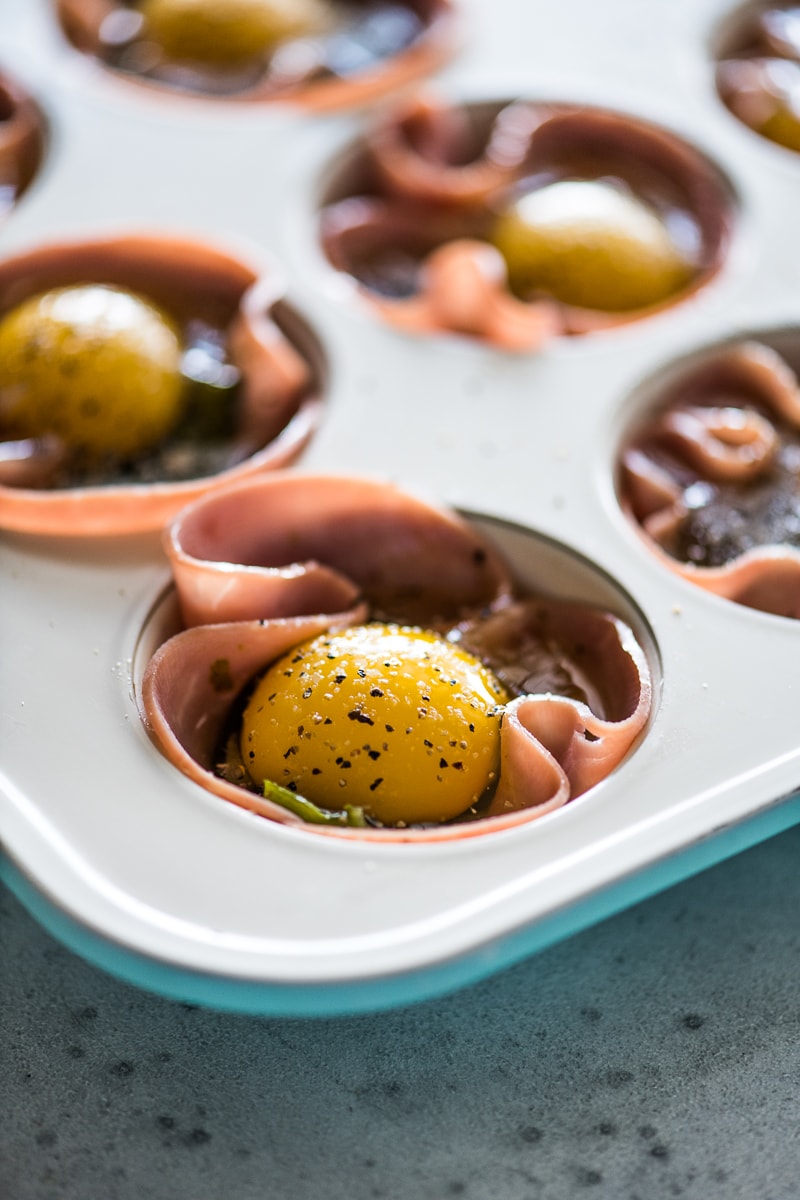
[340, 999]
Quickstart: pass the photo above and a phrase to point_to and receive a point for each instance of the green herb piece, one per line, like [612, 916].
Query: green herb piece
[310, 812]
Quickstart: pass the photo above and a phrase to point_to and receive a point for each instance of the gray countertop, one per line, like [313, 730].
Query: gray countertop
[655, 1055]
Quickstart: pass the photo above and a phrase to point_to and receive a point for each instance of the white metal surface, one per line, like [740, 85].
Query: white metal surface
[91, 812]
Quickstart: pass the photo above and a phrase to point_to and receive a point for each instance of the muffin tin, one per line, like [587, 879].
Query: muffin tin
[146, 873]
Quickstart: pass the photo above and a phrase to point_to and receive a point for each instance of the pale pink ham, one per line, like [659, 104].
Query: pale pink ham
[425, 151]
[734, 443]
[649, 490]
[192, 680]
[464, 290]
[280, 404]
[285, 542]
[548, 734]
[247, 547]
[434, 177]
[766, 578]
[726, 444]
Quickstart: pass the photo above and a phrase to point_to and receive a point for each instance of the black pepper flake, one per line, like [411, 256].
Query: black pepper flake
[376, 783]
[457, 766]
[316, 770]
[340, 678]
[289, 673]
[373, 754]
[361, 717]
[471, 728]
[422, 712]
[252, 754]
[272, 697]
[292, 750]
[292, 786]
[442, 762]
[306, 693]
[389, 728]
[331, 656]
[426, 698]
[327, 721]
[376, 692]
[345, 764]
[425, 742]
[362, 674]
[301, 730]
[297, 658]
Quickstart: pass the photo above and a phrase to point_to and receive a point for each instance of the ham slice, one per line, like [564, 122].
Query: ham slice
[265, 565]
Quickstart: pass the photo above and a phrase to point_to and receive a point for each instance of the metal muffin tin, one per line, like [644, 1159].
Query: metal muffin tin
[148, 875]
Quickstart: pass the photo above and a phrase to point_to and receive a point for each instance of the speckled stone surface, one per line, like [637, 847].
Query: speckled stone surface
[655, 1055]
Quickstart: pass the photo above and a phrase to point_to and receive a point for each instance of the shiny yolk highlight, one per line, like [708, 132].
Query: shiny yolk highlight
[227, 32]
[591, 245]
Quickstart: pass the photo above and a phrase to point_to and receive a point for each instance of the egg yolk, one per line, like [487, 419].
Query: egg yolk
[390, 719]
[783, 127]
[96, 366]
[225, 32]
[591, 245]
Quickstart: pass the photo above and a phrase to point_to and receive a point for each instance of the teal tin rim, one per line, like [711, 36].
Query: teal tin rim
[394, 991]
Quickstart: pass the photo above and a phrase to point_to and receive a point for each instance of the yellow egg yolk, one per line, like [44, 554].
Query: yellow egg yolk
[390, 719]
[97, 366]
[227, 32]
[591, 245]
